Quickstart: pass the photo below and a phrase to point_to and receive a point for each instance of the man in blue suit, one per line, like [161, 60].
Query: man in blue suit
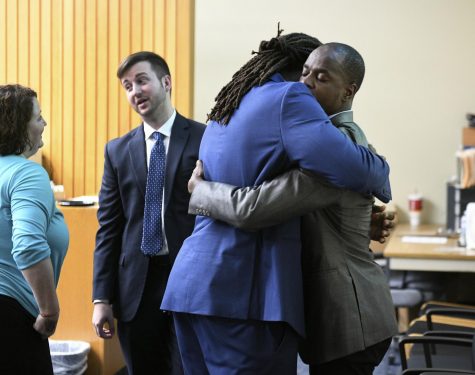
[349, 313]
[237, 296]
[129, 278]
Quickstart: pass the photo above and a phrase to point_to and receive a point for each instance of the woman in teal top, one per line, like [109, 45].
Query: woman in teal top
[33, 239]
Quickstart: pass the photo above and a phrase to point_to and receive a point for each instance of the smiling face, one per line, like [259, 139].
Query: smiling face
[323, 74]
[148, 94]
[35, 128]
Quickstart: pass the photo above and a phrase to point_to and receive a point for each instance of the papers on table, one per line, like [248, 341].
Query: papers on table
[87, 198]
[424, 239]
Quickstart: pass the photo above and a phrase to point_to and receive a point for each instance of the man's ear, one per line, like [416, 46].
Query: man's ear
[167, 83]
[350, 91]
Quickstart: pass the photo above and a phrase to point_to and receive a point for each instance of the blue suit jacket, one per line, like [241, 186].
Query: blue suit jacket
[224, 271]
[120, 269]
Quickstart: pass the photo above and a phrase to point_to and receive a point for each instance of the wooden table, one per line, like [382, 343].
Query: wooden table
[75, 293]
[410, 256]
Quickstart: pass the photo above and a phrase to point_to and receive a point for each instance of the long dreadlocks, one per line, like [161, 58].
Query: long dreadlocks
[282, 53]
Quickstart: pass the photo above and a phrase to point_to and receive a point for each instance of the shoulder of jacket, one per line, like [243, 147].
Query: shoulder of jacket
[192, 123]
[196, 124]
[124, 138]
[295, 92]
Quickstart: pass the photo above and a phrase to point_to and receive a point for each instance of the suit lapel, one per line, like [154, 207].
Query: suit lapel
[178, 139]
[138, 158]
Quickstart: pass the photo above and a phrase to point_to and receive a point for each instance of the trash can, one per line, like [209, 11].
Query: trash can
[69, 357]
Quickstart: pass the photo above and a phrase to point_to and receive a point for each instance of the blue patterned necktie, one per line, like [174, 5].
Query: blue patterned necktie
[152, 238]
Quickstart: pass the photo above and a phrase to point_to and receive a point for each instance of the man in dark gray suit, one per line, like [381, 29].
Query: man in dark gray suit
[348, 308]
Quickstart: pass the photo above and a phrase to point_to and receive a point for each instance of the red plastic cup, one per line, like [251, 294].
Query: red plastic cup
[415, 202]
[415, 208]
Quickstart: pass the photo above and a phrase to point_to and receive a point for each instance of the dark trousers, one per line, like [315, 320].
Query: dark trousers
[148, 342]
[221, 346]
[23, 350]
[359, 363]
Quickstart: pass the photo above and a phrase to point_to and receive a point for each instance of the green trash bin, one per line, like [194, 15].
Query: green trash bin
[69, 357]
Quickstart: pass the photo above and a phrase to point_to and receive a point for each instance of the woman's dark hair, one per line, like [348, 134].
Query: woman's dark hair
[16, 109]
[284, 53]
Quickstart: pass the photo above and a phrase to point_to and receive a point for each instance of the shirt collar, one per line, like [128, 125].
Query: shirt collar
[165, 129]
[336, 114]
[277, 77]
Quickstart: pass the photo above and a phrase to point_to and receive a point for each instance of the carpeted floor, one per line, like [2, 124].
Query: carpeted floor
[390, 365]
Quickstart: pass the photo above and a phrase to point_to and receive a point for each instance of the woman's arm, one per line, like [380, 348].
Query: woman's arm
[32, 206]
[41, 280]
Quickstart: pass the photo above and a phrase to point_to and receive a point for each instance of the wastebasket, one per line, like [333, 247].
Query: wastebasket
[69, 357]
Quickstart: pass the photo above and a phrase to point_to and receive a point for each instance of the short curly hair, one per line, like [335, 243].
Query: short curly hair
[16, 109]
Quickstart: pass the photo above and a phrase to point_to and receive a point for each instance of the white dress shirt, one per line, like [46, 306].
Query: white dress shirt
[166, 131]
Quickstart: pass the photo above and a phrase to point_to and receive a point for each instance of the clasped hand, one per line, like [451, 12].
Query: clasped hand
[382, 221]
[46, 325]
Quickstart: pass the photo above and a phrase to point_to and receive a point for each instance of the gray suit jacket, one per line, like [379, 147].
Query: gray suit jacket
[348, 306]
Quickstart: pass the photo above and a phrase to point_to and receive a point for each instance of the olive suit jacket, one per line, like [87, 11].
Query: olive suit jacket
[347, 302]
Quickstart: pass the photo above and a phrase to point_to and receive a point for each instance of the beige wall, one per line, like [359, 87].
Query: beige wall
[420, 77]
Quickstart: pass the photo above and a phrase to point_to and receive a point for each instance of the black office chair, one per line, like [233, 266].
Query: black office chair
[410, 298]
[437, 351]
[434, 371]
[410, 289]
[432, 285]
[442, 316]
[434, 304]
[442, 338]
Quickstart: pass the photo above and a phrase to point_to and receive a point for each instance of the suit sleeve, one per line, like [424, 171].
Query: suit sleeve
[292, 194]
[314, 144]
[109, 235]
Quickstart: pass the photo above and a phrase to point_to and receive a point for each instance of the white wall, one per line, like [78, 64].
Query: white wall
[420, 73]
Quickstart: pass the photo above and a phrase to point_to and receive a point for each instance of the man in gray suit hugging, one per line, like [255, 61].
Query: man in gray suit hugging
[349, 314]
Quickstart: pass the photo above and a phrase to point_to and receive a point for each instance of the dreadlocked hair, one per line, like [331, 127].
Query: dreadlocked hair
[282, 53]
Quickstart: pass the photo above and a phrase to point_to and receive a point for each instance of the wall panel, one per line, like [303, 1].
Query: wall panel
[91, 78]
[12, 20]
[23, 40]
[68, 90]
[45, 87]
[57, 95]
[69, 50]
[113, 89]
[3, 39]
[79, 97]
[34, 41]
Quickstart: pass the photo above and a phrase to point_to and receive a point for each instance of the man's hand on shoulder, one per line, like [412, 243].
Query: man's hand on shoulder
[196, 176]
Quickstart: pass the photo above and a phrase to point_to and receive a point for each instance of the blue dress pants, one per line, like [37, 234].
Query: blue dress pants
[222, 346]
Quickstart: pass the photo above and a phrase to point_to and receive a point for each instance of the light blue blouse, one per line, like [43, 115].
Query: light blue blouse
[31, 227]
